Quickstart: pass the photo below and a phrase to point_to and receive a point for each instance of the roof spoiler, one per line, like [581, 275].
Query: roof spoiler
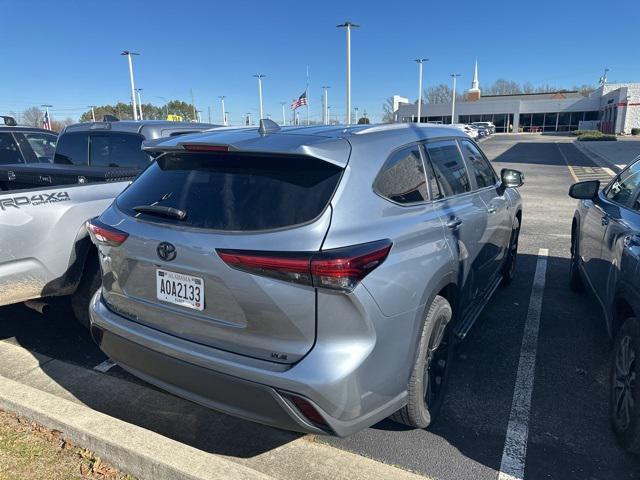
[9, 121]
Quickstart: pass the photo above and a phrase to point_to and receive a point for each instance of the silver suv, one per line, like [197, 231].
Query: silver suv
[309, 278]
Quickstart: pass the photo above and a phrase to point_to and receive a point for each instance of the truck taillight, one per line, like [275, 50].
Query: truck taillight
[102, 234]
[337, 269]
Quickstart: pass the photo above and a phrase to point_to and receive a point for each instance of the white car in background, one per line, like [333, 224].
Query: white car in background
[488, 125]
[468, 129]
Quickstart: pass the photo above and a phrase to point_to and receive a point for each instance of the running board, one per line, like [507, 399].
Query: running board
[463, 328]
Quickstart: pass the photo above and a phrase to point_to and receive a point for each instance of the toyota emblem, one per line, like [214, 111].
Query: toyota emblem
[166, 251]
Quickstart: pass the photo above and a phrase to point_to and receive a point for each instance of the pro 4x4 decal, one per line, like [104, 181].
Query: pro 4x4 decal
[35, 200]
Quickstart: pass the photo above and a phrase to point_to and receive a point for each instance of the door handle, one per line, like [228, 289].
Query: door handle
[454, 223]
[491, 209]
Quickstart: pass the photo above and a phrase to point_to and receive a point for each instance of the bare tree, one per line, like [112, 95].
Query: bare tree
[438, 94]
[33, 117]
[58, 125]
[388, 115]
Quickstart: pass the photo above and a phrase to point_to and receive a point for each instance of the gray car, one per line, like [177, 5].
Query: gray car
[308, 278]
[605, 256]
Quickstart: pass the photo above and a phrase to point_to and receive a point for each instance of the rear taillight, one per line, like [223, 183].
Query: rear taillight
[337, 269]
[102, 234]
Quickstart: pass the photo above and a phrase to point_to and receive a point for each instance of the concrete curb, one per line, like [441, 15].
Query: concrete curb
[134, 450]
[596, 157]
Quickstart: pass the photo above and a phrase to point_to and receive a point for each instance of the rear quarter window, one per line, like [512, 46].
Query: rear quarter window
[234, 192]
[402, 178]
[72, 149]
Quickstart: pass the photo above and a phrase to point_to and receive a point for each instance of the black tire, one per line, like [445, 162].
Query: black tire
[89, 284]
[625, 386]
[509, 268]
[430, 373]
[576, 282]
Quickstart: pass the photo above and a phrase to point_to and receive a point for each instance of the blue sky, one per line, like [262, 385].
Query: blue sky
[66, 53]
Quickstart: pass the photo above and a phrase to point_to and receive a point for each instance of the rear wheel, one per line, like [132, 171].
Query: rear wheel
[625, 386]
[576, 282]
[427, 384]
[89, 284]
[509, 268]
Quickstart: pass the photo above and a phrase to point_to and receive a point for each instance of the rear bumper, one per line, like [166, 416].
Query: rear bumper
[254, 390]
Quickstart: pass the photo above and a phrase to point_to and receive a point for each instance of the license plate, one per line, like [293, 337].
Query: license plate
[180, 289]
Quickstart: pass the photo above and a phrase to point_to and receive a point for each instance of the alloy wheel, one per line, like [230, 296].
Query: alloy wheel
[624, 383]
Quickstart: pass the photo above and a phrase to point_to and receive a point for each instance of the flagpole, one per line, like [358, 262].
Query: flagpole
[307, 94]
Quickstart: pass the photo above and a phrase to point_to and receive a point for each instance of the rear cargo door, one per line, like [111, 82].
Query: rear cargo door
[168, 275]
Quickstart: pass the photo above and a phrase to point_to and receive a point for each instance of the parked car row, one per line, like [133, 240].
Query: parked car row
[315, 279]
[476, 130]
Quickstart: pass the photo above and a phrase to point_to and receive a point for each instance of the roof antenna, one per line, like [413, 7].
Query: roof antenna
[268, 126]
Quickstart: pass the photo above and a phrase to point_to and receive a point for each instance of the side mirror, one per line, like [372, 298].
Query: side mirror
[511, 178]
[585, 190]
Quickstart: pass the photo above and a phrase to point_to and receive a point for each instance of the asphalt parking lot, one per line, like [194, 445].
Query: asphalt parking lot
[565, 421]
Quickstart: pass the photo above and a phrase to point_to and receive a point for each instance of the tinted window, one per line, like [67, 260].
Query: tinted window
[478, 166]
[72, 149]
[117, 150]
[234, 191]
[402, 177]
[449, 167]
[9, 152]
[41, 146]
[622, 188]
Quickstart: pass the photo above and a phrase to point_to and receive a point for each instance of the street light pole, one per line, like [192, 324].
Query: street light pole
[224, 113]
[325, 105]
[138, 91]
[259, 76]
[348, 26]
[133, 87]
[93, 112]
[420, 61]
[284, 116]
[453, 97]
[356, 109]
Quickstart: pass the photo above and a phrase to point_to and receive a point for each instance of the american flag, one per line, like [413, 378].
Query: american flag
[302, 100]
[46, 123]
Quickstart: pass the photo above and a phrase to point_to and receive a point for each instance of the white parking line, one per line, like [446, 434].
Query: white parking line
[515, 444]
[105, 366]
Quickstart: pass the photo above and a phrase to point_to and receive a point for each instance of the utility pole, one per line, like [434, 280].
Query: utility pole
[328, 114]
[325, 105]
[93, 112]
[139, 92]
[284, 116]
[348, 26]
[259, 76]
[133, 86]
[453, 97]
[193, 104]
[224, 113]
[420, 61]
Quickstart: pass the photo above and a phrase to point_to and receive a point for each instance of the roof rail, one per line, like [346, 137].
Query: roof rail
[9, 121]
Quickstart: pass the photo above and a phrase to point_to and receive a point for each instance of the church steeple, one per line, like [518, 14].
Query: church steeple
[474, 82]
[473, 93]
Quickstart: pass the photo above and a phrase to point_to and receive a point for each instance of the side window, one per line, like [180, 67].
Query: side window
[43, 145]
[72, 149]
[117, 150]
[402, 178]
[478, 166]
[449, 167]
[622, 188]
[9, 152]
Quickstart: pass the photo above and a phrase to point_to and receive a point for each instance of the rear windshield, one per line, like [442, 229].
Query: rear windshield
[235, 192]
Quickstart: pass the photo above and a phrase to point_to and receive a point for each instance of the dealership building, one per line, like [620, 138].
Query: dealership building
[611, 108]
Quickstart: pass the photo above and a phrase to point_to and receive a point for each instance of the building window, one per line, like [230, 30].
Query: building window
[550, 120]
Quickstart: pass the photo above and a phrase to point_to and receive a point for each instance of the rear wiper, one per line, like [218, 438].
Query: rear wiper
[162, 211]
